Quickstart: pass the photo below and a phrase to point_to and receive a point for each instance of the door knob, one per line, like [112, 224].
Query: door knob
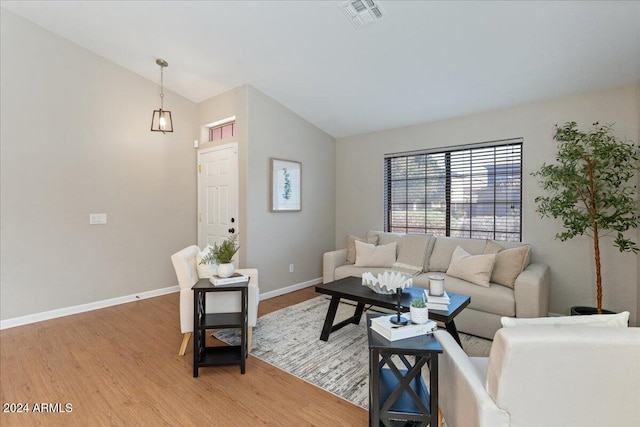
[232, 230]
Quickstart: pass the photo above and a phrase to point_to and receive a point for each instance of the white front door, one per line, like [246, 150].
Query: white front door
[217, 194]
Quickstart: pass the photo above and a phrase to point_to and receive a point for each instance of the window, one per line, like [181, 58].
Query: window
[472, 191]
[219, 132]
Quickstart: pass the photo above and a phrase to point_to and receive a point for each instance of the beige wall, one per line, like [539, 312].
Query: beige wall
[299, 238]
[359, 178]
[75, 139]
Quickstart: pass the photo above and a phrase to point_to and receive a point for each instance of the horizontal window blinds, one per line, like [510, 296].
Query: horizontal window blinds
[471, 191]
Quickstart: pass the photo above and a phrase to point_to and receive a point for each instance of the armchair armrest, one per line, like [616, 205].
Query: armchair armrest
[331, 261]
[532, 291]
[462, 396]
[254, 294]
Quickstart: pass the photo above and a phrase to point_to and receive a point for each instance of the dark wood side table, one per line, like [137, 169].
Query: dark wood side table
[218, 355]
[398, 395]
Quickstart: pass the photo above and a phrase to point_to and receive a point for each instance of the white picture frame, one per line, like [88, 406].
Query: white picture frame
[286, 185]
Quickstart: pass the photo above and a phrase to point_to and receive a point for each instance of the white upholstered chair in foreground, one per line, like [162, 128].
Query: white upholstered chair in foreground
[184, 262]
[544, 376]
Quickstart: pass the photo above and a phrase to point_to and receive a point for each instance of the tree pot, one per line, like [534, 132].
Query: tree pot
[585, 311]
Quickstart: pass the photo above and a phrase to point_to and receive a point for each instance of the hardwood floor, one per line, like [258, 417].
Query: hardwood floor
[120, 366]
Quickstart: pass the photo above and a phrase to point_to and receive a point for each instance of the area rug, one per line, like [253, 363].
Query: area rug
[289, 339]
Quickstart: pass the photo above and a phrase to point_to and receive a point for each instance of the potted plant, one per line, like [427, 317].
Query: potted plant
[223, 255]
[591, 189]
[419, 311]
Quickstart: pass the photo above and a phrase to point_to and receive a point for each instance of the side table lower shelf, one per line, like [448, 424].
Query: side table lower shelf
[404, 404]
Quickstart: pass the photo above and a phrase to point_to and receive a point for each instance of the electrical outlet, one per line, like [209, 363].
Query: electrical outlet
[291, 268]
[97, 218]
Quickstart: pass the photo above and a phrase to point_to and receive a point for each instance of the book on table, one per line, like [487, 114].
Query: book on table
[383, 326]
[441, 299]
[234, 279]
[437, 302]
[434, 306]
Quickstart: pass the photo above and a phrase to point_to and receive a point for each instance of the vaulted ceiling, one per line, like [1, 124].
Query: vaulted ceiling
[423, 61]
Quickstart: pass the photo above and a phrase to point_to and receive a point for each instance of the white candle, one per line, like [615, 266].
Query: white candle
[436, 285]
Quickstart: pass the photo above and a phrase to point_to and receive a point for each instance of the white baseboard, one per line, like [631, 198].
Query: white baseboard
[286, 290]
[67, 311]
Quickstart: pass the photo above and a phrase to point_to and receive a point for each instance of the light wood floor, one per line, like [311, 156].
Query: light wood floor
[119, 366]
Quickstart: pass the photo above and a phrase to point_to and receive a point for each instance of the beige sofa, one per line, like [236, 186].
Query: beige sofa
[528, 295]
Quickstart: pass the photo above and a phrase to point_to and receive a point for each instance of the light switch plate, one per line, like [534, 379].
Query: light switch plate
[97, 218]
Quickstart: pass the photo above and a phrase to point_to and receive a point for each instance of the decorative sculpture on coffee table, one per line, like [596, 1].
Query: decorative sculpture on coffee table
[386, 283]
[398, 320]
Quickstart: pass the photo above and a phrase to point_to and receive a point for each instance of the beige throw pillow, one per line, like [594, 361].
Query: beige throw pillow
[472, 268]
[412, 250]
[368, 255]
[351, 245]
[509, 263]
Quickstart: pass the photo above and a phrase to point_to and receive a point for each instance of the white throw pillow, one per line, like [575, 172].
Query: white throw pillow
[368, 255]
[620, 320]
[472, 268]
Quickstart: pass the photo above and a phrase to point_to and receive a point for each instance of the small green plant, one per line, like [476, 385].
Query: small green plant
[418, 303]
[223, 253]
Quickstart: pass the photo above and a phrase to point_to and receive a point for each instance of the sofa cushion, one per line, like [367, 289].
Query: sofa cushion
[384, 238]
[368, 255]
[412, 249]
[495, 299]
[620, 320]
[473, 268]
[509, 262]
[351, 245]
[443, 249]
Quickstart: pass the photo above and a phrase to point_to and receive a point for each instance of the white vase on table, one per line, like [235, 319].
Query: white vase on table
[225, 270]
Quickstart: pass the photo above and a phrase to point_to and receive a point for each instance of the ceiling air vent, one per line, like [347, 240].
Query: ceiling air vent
[362, 12]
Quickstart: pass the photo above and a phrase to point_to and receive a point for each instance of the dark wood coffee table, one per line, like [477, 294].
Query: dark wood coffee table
[350, 288]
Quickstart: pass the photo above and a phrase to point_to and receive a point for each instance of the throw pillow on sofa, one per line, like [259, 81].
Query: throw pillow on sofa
[351, 245]
[412, 249]
[472, 268]
[368, 255]
[620, 320]
[509, 263]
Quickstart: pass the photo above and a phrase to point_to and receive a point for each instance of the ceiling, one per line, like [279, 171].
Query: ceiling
[424, 61]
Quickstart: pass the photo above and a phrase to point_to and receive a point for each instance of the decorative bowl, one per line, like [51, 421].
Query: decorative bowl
[386, 283]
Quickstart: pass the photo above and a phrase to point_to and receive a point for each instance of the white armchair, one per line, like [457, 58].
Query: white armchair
[543, 376]
[184, 263]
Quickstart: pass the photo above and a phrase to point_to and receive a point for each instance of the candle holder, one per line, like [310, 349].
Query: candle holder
[398, 320]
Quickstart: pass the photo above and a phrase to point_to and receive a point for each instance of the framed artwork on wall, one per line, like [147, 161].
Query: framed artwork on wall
[286, 182]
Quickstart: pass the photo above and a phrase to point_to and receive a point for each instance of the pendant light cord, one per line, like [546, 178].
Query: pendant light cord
[161, 88]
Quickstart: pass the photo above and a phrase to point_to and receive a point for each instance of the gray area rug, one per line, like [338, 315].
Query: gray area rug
[289, 339]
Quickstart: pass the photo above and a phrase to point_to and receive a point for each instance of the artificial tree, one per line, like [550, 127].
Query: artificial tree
[591, 188]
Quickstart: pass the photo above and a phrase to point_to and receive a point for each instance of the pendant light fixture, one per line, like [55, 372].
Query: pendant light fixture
[161, 120]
